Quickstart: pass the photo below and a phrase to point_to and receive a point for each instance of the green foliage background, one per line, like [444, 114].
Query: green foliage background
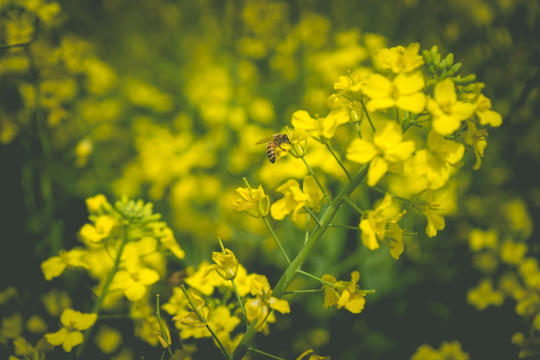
[178, 93]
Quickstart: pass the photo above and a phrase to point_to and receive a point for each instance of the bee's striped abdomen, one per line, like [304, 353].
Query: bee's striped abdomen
[271, 151]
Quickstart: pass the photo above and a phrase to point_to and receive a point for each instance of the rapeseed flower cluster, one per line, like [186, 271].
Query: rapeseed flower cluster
[125, 248]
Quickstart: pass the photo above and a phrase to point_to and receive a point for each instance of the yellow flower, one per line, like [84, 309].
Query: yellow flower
[435, 221]
[55, 266]
[387, 149]
[259, 308]
[513, 252]
[399, 59]
[134, 279]
[253, 201]
[226, 264]
[295, 199]
[376, 226]
[108, 339]
[344, 293]
[477, 139]
[103, 225]
[405, 92]
[312, 357]
[479, 239]
[447, 111]
[436, 160]
[199, 314]
[320, 129]
[70, 334]
[484, 295]
[485, 114]
[204, 282]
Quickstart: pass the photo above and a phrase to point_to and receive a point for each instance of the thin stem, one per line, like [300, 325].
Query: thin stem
[302, 291]
[344, 227]
[310, 213]
[316, 179]
[276, 239]
[265, 354]
[164, 333]
[367, 114]
[6, 46]
[337, 159]
[302, 255]
[314, 277]
[306, 236]
[382, 191]
[99, 302]
[353, 205]
[240, 302]
[203, 320]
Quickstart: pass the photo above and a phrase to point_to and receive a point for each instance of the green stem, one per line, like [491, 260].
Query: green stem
[164, 332]
[265, 354]
[302, 255]
[353, 205]
[367, 114]
[316, 179]
[203, 320]
[314, 277]
[382, 191]
[344, 227]
[310, 212]
[302, 291]
[276, 239]
[337, 159]
[240, 302]
[99, 302]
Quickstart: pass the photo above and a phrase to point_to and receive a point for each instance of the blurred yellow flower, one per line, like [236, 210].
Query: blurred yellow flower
[399, 59]
[70, 334]
[134, 279]
[55, 266]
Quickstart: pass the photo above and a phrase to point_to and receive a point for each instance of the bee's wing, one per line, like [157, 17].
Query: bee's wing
[265, 140]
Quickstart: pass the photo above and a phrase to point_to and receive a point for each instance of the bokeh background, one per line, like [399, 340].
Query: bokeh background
[163, 100]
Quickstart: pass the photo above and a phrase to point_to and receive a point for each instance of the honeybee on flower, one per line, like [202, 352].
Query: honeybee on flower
[274, 145]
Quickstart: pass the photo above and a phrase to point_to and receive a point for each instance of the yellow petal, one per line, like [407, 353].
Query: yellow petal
[73, 339]
[368, 235]
[414, 103]
[279, 305]
[400, 152]
[377, 168]
[361, 151]
[388, 136]
[302, 120]
[377, 86]
[445, 92]
[409, 83]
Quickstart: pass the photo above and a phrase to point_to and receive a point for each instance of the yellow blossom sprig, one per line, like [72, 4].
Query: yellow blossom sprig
[106, 285]
[302, 255]
[344, 293]
[226, 265]
[310, 170]
[200, 320]
[253, 199]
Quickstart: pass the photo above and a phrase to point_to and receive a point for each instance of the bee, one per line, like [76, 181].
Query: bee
[274, 141]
